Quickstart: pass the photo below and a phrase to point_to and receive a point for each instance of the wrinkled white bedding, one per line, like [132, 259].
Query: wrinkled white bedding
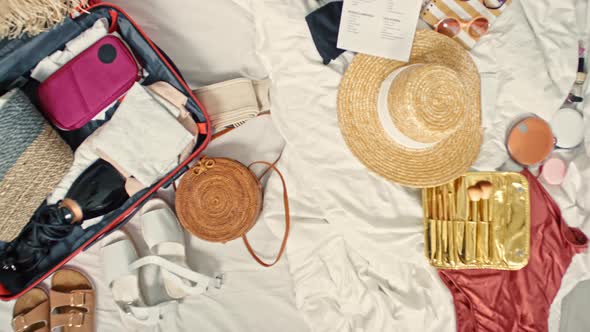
[211, 41]
[356, 253]
[355, 257]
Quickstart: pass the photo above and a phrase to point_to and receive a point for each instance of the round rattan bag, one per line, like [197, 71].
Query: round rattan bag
[219, 200]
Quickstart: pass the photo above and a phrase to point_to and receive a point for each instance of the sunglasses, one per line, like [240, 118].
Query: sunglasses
[476, 28]
[451, 27]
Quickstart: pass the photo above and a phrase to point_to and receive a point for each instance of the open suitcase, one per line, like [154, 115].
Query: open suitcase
[19, 56]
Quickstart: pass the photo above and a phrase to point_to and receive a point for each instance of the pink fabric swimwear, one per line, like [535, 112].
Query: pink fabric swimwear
[518, 301]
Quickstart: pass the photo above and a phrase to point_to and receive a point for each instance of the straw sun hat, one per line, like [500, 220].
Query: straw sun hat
[416, 123]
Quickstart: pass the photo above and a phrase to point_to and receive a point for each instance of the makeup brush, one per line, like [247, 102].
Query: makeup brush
[452, 206]
[439, 228]
[445, 221]
[474, 193]
[458, 198]
[486, 193]
[451, 225]
[432, 223]
[483, 228]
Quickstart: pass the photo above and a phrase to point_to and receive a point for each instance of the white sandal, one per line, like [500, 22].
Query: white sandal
[165, 239]
[118, 254]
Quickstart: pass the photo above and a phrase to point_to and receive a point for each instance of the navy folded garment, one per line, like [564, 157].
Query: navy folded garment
[323, 24]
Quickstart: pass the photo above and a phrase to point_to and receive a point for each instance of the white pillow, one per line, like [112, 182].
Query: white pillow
[209, 41]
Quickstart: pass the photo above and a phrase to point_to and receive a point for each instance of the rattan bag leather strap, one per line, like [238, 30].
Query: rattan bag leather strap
[214, 232]
[287, 216]
[220, 199]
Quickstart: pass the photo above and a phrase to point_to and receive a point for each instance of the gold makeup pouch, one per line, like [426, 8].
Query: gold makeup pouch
[481, 220]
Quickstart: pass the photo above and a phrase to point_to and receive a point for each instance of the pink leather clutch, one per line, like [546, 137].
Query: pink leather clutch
[88, 83]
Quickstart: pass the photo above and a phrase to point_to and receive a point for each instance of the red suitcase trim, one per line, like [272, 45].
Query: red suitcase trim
[4, 294]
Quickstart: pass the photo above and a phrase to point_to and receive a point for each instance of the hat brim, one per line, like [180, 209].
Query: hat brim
[360, 125]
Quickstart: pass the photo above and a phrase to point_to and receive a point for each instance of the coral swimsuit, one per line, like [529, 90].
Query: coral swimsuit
[518, 301]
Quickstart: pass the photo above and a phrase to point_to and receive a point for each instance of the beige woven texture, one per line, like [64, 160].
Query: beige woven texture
[438, 102]
[35, 174]
[31, 17]
[218, 200]
[427, 102]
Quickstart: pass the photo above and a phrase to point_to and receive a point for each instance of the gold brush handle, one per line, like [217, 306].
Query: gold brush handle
[471, 235]
[432, 235]
[439, 229]
[483, 234]
[491, 210]
[470, 241]
[427, 216]
[432, 224]
[445, 233]
[462, 210]
[485, 209]
[450, 229]
[494, 255]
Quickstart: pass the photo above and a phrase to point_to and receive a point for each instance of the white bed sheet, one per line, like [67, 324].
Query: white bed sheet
[210, 41]
[354, 260]
[356, 251]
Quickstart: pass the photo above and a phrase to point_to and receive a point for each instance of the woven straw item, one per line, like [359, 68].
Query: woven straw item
[218, 200]
[438, 102]
[35, 174]
[426, 102]
[31, 17]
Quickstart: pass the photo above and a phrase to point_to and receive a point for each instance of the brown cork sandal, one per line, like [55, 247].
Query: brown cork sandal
[31, 312]
[72, 302]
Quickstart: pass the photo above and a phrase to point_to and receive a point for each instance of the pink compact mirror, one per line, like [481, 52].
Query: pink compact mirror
[553, 171]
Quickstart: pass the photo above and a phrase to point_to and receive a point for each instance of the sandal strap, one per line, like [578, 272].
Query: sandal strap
[161, 226]
[39, 314]
[80, 298]
[74, 318]
[120, 255]
[203, 282]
